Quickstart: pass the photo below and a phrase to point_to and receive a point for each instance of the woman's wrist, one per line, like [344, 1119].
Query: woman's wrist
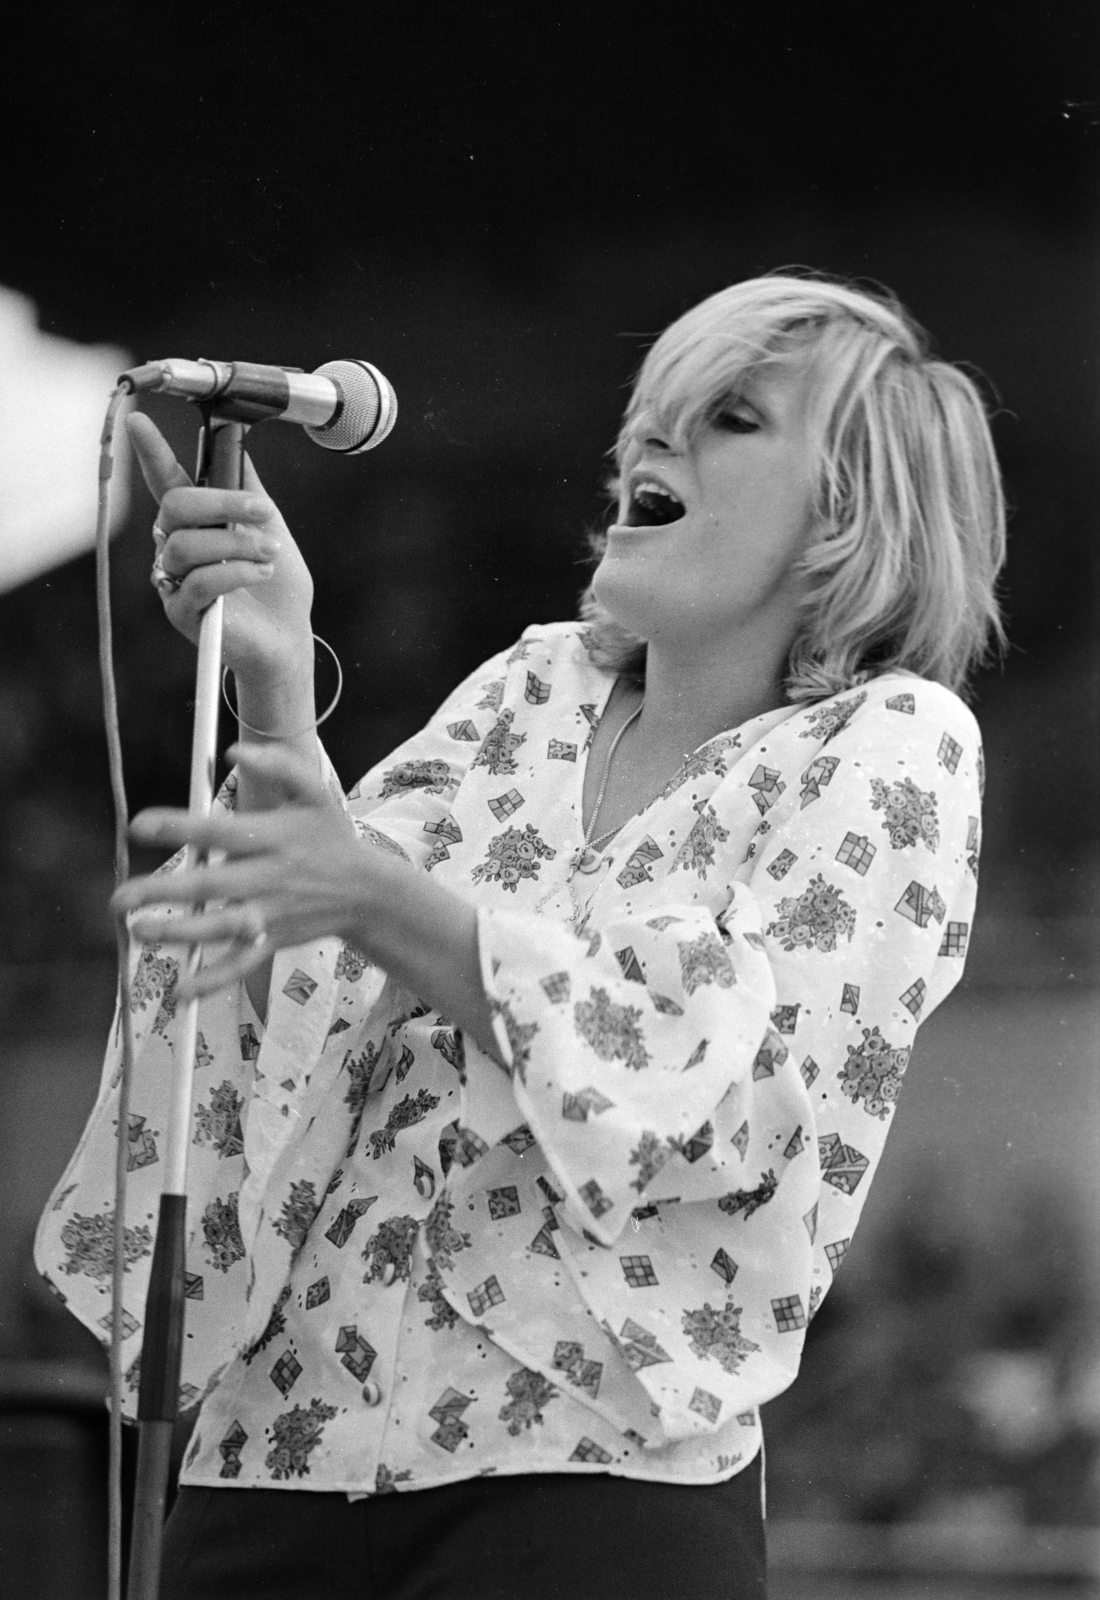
[375, 882]
[274, 704]
[276, 695]
[276, 711]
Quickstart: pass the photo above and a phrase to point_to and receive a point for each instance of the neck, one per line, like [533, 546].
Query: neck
[693, 693]
[689, 698]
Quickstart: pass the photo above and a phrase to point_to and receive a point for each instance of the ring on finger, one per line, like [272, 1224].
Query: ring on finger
[163, 582]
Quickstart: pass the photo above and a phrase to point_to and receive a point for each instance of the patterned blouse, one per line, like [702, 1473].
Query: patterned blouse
[407, 1265]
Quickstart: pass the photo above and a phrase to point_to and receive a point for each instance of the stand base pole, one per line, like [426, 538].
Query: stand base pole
[221, 464]
[154, 1450]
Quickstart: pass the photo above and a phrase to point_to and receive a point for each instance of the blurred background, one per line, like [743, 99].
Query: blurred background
[501, 205]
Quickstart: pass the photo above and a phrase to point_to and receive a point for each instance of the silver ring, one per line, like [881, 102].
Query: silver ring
[163, 582]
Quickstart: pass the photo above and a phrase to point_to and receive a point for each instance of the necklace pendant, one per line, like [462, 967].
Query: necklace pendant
[587, 861]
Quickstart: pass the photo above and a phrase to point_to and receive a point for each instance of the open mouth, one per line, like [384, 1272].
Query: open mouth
[653, 506]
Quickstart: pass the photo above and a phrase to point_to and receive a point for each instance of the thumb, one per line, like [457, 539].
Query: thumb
[159, 467]
[292, 775]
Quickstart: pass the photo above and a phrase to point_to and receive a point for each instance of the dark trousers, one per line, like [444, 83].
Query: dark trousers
[541, 1536]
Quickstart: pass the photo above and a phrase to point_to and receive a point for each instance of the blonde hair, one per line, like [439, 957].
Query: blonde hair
[908, 495]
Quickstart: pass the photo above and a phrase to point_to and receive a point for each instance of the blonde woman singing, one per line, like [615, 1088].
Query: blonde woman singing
[543, 1078]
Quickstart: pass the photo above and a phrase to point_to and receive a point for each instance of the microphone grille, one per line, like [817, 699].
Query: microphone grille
[368, 412]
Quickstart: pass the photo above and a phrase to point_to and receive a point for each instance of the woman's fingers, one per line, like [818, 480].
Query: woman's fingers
[216, 887]
[230, 543]
[243, 924]
[158, 464]
[188, 548]
[230, 966]
[184, 506]
[287, 866]
[237, 836]
[201, 587]
[249, 834]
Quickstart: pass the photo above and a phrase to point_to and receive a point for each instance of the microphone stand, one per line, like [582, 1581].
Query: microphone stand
[221, 466]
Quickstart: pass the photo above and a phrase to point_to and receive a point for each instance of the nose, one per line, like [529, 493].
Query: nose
[647, 432]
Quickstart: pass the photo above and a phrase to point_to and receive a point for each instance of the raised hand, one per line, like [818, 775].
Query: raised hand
[232, 542]
[295, 872]
[300, 872]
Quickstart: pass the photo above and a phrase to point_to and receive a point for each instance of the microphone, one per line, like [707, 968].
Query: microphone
[345, 405]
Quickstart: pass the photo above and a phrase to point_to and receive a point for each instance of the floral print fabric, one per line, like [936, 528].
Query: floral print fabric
[409, 1264]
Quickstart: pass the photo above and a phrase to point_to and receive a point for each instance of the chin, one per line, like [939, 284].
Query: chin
[626, 594]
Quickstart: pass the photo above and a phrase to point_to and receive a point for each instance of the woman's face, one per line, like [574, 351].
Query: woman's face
[706, 538]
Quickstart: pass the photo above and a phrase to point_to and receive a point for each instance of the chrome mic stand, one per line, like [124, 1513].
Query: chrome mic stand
[221, 466]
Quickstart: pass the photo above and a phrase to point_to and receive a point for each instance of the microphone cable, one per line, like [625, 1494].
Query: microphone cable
[124, 1020]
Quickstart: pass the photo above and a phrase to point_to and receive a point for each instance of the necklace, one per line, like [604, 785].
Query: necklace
[587, 858]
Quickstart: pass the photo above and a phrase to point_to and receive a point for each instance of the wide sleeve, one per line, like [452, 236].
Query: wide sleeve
[258, 1092]
[404, 802]
[866, 881]
[692, 1051]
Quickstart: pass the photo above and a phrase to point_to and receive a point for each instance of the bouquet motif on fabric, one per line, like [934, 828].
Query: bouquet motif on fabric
[817, 920]
[910, 813]
[514, 854]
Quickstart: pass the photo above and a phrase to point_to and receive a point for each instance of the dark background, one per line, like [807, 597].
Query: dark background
[500, 205]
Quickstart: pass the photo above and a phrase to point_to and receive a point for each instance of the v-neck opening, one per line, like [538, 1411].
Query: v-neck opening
[600, 707]
[767, 719]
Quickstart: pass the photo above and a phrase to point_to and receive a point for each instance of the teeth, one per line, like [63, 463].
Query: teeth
[652, 505]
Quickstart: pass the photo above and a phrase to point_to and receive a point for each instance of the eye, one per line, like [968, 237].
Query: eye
[735, 420]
